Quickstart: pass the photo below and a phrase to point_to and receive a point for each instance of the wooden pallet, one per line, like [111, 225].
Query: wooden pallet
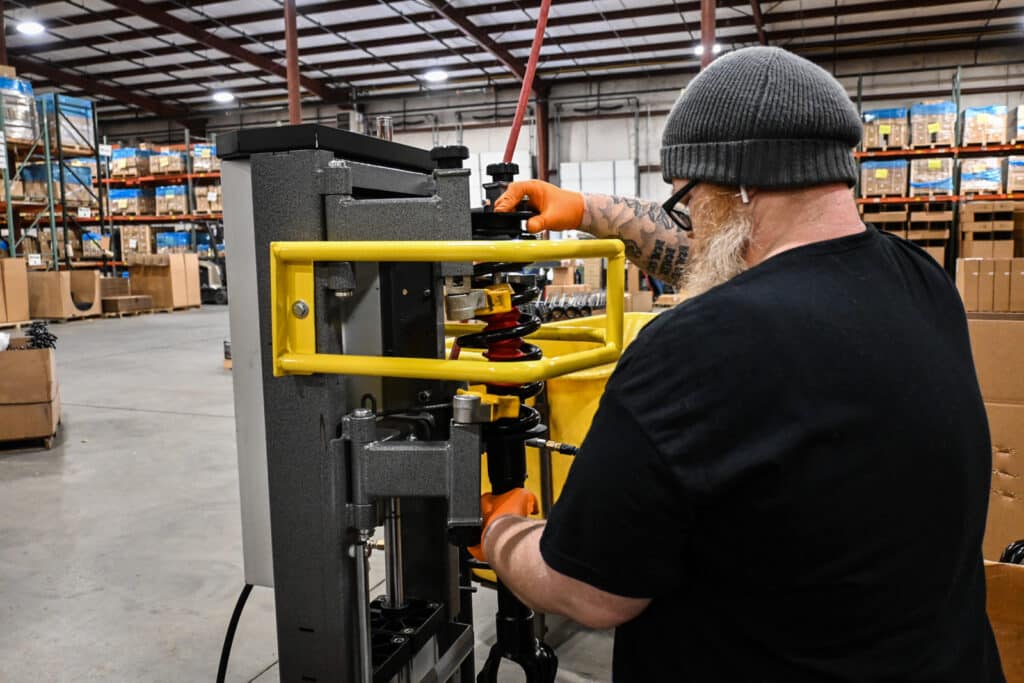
[127, 314]
[15, 324]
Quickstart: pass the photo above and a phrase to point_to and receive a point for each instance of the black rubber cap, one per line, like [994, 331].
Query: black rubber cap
[451, 156]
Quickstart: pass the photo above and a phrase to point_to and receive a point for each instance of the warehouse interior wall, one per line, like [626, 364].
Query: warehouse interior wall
[617, 119]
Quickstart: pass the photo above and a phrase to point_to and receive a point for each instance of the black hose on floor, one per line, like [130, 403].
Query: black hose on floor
[229, 637]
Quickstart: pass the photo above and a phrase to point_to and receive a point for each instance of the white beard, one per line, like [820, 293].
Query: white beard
[723, 227]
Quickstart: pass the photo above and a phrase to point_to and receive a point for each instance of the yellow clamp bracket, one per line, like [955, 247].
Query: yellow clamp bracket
[499, 406]
[499, 300]
[293, 316]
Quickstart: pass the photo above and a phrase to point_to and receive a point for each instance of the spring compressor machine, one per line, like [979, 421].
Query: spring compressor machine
[346, 255]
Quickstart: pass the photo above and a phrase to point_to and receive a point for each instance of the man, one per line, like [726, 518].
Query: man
[787, 477]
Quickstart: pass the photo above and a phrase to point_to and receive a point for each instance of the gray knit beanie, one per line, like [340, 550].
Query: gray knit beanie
[762, 117]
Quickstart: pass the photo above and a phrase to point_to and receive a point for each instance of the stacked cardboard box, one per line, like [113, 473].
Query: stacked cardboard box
[13, 290]
[137, 239]
[987, 229]
[933, 124]
[981, 175]
[166, 163]
[991, 285]
[20, 121]
[1015, 174]
[209, 199]
[77, 182]
[204, 159]
[130, 162]
[95, 245]
[1015, 124]
[884, 128]
[76, 120]
[985, 125]
[132, 201]
[29, 397]
[931, 176]
[65, 247]
[884, 178]
[171, 200]
[173, 242]
[171, 279]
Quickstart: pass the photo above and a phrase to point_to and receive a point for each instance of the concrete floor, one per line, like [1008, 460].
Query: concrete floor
[120, 548]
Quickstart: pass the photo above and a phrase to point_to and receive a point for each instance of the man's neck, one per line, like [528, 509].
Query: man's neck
[787, 220]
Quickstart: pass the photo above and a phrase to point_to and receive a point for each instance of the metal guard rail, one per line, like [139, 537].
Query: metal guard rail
[294, 337]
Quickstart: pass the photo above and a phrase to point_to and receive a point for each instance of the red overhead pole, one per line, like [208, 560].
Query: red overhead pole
[707, 31]
[291, 41]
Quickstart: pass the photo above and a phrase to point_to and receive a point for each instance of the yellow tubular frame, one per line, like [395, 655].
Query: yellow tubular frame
[294, 338]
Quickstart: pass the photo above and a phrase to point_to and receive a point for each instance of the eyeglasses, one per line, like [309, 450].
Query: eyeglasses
[676, 210]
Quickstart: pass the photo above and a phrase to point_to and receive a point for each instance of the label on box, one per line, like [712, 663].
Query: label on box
[106, 151]
[983, 118]
[204, 153]
[35, 259]
[881, 173]
[84, 212]
[122, 203]
[133, 244]
[211, 196]
[934, 164]
[885, 129]
[4, 232]
[934, 128]
[31, 232]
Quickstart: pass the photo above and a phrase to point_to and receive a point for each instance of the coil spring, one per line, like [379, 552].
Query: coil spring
[503, 342]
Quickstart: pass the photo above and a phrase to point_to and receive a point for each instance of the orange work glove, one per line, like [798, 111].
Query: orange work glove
[519, 502]
[559, 209]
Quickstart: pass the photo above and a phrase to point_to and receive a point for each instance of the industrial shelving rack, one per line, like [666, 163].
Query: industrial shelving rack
[24, 216]
[191, 221]
[957, 151]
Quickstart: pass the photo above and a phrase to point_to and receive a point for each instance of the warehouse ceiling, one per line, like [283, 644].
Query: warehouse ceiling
[167, 57]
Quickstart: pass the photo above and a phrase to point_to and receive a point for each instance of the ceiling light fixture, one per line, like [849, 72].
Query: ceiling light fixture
[223, 96]
[30, 28]
[715, 49]
[436, 76]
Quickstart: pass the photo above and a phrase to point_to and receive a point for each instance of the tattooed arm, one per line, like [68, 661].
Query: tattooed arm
[653, 242]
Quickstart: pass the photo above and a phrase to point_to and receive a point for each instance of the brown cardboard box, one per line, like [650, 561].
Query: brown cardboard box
[1017, 285]
[563, 275]
[986, 285]
[998, 346]
[163, 164]
[886, 128]
[985, 125]
[1004, 585]
[14, 286]
[63, 295]
[967, 276]
[884, 178]
[209, 199]
[130, 167]
[29, 404]
[931, 176]
[1015, 174]
[114, 286]
[193, 295]
[932, 126]
[1006, 500]
[137, 239]
[1001, 297]
[174, 285]
[167, 205]
[981, 175]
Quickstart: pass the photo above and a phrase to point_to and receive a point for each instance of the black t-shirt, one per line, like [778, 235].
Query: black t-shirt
[795, 468]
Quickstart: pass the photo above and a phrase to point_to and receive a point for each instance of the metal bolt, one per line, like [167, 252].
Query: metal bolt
[344, 293]
[427, 293]
[398, 640]
[300, 309]
[423, 396]
[408, 631]
[433, 605]
[362, 412]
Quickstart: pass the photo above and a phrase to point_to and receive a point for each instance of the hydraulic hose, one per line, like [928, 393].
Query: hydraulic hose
[531, 71]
